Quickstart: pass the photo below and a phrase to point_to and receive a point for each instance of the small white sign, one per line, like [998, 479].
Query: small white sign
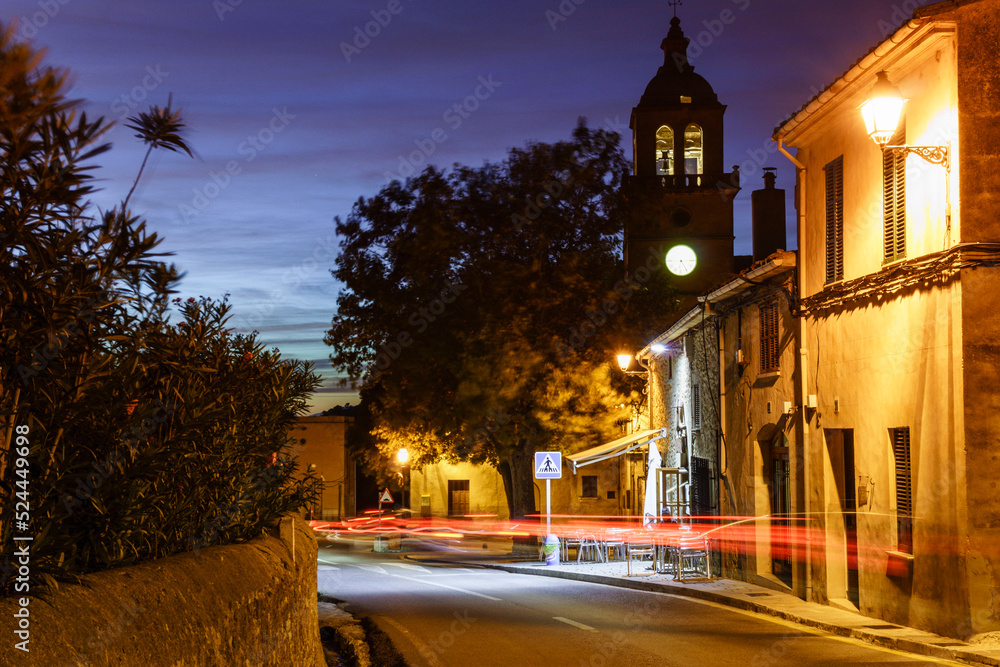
[386, 497]
[548, 465]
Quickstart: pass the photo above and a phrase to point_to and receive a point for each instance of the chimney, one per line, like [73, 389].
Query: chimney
[768, 218]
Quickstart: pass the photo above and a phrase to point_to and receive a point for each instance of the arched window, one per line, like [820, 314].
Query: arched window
[693, 161]
[664, 151]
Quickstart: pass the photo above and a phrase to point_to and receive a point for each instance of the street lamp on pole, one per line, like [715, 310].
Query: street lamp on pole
[403, 456]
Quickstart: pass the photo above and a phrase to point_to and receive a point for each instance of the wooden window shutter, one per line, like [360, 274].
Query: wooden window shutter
[834, 172]
[894, 200]
[904, 488]
[769, 337]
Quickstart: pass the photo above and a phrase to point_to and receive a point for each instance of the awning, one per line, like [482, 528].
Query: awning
[614, 448]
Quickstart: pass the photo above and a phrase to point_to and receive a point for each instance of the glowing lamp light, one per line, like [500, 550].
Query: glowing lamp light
[658, 348]
[882, 110]
[403, 455]
[624, 360]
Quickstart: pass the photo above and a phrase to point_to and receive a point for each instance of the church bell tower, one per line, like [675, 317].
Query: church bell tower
[679, 198]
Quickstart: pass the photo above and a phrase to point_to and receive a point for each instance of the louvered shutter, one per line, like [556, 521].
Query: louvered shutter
[769, 337]
[894, 200]
[834, 172]
[904, 488]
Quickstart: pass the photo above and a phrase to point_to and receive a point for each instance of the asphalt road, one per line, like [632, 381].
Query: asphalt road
[442, 615]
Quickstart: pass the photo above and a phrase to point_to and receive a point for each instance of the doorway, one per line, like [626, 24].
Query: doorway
[781, 507]
[841, 517]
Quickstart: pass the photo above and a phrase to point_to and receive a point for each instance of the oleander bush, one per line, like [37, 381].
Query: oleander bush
[133, 425]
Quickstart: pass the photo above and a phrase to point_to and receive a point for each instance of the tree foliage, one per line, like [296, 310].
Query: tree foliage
[141, 438]
[481, 307]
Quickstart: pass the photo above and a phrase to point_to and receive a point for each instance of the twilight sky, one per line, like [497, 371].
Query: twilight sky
[295, 112]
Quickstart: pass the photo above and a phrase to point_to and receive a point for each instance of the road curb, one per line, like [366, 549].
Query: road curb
[885, 641]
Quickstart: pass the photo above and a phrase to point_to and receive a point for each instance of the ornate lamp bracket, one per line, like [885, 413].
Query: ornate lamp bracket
[934, 154]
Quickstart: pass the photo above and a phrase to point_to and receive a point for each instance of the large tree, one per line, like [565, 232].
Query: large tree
[481, 307]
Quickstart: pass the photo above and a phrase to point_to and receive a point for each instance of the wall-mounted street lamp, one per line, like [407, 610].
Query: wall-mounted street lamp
[881, 112]
[629, 365]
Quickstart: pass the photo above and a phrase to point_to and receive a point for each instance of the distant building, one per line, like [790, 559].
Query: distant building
[320, 441]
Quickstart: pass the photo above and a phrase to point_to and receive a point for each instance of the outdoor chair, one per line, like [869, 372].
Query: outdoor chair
[638, 552]
[590, 549]
[614, 546]
[691, 560]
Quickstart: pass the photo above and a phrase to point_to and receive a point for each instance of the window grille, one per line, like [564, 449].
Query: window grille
[696, 407]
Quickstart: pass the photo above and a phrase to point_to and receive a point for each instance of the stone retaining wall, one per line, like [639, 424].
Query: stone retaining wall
[250, 604]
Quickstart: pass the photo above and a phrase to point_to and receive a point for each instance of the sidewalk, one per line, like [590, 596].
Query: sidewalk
[758, 599]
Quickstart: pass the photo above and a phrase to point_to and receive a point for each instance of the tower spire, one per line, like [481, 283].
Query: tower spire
[675, 4]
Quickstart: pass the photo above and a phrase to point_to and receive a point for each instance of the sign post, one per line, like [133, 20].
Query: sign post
[384, 497]
[548, 466]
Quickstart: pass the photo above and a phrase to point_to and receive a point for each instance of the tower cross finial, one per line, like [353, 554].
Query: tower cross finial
[675, 4]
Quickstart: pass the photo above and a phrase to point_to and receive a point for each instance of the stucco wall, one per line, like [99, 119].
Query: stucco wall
[486, 491]
[320, 441]
[755, 420]
[896, 364]
[241, 605]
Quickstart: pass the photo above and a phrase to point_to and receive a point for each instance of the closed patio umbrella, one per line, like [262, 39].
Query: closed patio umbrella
[649, 509]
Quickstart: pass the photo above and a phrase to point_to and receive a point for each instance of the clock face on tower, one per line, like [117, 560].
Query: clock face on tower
[681, 260]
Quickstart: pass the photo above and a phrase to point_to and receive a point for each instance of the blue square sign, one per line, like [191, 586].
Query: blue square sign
[548, 465]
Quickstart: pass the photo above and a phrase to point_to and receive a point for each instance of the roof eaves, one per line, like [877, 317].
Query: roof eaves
[859, 66]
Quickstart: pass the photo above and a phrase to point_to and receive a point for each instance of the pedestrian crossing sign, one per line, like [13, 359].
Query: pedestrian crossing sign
[548, 465]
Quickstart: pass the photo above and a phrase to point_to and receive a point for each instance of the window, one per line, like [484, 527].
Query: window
[894, 200]
[769, 360]
[665, 151]
[834, 220]
[458, 496]
[588, 486]
[696, 407]
[701, 486]
[692, 150]
[904, 489]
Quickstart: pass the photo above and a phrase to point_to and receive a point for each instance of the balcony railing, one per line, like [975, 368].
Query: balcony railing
[730, 181]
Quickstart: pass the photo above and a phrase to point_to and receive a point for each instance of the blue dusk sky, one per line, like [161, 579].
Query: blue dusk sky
[296, 108]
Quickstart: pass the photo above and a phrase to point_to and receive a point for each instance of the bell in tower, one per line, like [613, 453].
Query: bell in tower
[679, 198]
